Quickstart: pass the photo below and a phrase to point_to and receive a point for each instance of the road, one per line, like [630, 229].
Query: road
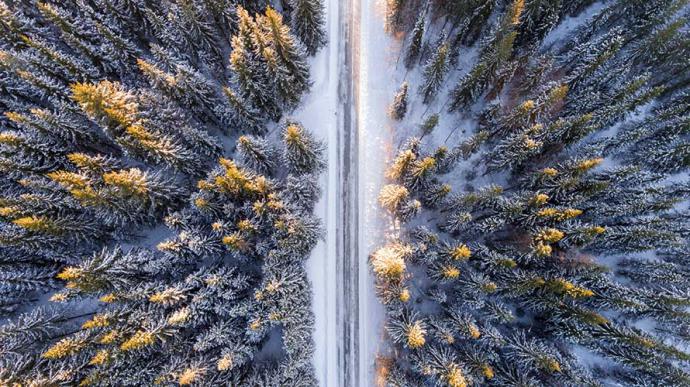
[347, 286]
[348, 319]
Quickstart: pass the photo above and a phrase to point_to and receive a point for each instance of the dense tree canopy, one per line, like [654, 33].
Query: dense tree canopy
[549, 245]
[138, 246]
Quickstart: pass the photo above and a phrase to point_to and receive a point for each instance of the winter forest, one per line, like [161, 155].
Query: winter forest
[153, 231]
[344, 193]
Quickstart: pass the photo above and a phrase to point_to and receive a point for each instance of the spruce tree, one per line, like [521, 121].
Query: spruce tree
[257, 154]
[290, 55]
[394, 11]
[244, 116]
[308, 23]
[539, 17]
[249, 70]
[414, 48]
[303, 153]
[495, 57]
[435, 71]
[398, 107]
[429, 124]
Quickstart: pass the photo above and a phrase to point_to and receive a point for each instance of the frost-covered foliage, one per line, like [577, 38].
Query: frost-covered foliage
[549, 246]
[114, 114]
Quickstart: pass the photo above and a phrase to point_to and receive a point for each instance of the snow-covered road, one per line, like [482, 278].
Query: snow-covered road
[376, 85]
[347, 109]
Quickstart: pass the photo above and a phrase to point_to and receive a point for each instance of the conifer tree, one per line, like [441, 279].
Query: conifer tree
[289, 53]
[414, 48]
[188, 87]
[249, 68]
[117, 111]
[539, 17]
[398, 107]
[494, 58]
[257, 154]
[429, 124]
[303, 153]
[435, 71]
[244, 116]
[394, 10]
[307, 20]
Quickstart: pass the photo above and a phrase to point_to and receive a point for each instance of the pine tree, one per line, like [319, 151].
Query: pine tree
[257, 154]
[398, 107]
[394, 9]
[392, 196]
[14, 26]
[71, 68]
[245, 117]
[539, 17]
[494, 58]
[290, 55]
[186, 86]
[191, 20]
[117, 111]
[249, 68]
[307, 19]
[429, 124]
[74, 33]
[414, 48]
[435, 71]
[388, 262]
[303, 153]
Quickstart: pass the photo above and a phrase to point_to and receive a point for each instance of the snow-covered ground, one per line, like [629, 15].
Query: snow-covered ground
[318, 114]
[376, 85]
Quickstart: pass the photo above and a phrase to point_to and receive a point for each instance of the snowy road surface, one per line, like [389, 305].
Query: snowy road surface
[347, 109]
[376, 69]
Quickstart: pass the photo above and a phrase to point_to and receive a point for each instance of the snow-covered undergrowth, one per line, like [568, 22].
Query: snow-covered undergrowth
[539, 196]
[156, 208]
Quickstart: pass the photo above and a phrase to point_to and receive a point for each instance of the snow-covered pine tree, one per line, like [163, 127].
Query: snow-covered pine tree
[398, 107]
[291, 58]
[257, 154]
[394, 14]
[429, 124]
[495, 56]
[308, 23]
[250, 71]
[414, 47]
[539, 17]
[303, 153]
[435, 71]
